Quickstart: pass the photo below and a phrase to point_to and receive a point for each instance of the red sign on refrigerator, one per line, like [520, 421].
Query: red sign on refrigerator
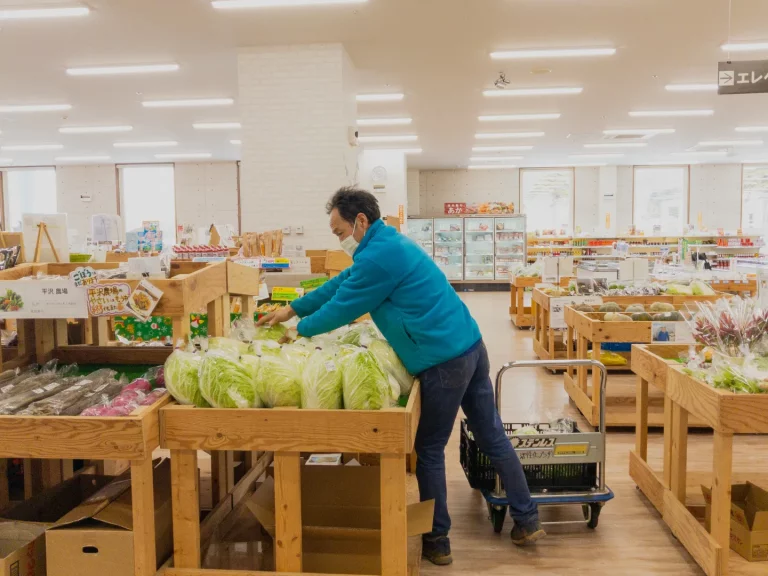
[454, 207]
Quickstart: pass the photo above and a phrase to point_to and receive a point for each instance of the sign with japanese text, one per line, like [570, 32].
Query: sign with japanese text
[454, 207]
[42, 299]
[401, 213]
[557, 307]
[313, 283]
[745, 77]
[83, 276]
[273, 263]
[280, 294]
[108, 299]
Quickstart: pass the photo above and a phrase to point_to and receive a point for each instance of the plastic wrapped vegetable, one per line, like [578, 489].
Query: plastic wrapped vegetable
[182, 378]
[153, 396]
[279, 381]
[700, 288]
[366, 386]
[364, 330]
[275, 332]
[228, 345]
[321, 384]
[68, 397]
[102, 395]
[263, 347]
[391, 364]
[228, 382]
[679, 289]
[53, 385]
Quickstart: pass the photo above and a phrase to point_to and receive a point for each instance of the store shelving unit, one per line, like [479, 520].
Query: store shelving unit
[510, 245]
[421, 231]
[478, 249]
[449, 247]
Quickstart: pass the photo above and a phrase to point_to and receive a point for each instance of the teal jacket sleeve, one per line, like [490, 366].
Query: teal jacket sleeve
[312, 302]
[364, 289]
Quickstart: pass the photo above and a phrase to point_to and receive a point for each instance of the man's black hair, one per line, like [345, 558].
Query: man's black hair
[351, 201]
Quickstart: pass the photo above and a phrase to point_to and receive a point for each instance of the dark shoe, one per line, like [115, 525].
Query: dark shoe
[523, 534]
[437, 550]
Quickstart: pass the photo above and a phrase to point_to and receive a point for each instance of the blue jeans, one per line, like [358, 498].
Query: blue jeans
[465, 381]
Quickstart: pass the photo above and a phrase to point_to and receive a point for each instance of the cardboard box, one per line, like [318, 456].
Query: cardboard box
[22, 549]
[341, 517]
[96, 538]
[749, 520]
[317, 260]
[336, 261]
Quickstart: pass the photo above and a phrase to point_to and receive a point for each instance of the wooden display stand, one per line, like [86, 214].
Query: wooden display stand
[522, 315]
[742, 288]
[727, 414]
[287, 433]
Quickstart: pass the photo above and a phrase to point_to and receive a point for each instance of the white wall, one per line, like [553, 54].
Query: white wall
[716, 194]
[206, 193]
[99, 183]
[441, 186]
[395, 192]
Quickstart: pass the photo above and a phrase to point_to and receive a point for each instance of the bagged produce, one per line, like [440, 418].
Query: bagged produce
[679, 289]
[182, 378]
[154, 396]
[67, 398]
[321, 383]
[275, 332]
[43, 387]
[700, 288]
[228, 382]
[634, 308]
[262, 347]
[610, 358]
[364, 330]
[233, 347]
[7, 388]
[366, 386]
[279, 381]
[102, 395]
[391, 364]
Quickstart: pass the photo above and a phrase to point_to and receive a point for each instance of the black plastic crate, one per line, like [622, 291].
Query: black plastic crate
[550, 477]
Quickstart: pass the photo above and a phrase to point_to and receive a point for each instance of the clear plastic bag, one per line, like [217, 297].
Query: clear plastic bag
[68, 397]
[226, 381]
[321, 383]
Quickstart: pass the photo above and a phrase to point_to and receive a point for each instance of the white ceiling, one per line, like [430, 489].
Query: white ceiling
[436, 51]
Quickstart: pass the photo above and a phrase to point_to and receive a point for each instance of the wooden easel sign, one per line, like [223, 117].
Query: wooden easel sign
[42, 228]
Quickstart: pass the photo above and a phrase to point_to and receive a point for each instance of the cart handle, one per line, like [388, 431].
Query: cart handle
[560, 364]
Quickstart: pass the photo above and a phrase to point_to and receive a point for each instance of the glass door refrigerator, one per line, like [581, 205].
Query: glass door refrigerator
[511, 245]
[420, 230]
[478, 249]
[449, 247]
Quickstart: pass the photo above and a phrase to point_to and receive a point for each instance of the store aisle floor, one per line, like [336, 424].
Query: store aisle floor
[631, 539]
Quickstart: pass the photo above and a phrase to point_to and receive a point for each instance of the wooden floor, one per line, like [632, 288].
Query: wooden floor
[631, 539]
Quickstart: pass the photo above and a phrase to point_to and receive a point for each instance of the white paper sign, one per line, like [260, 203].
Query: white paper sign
[557, 307]
[57, 229]
[42, 299]
[301, 265]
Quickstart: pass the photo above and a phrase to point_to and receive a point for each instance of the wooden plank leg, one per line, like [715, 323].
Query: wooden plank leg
[180, 329]
[569, 349]
[67, 469]
[216, 318]
[582, 371]
[394, 521]
[51, 473]
[249, 307]
[641, 427]
[62, 337]
[222, 475]
[596, 349]
[679, 452]
[668, 420]
[185, 498]
[44, 340]
[143, 497]
[722, 457]
[4, 494]
[288, 537]
[551, 343]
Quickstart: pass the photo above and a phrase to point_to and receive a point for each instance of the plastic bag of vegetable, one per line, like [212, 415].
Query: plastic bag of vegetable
[364, 330]
[366, 386]
[227, 381]
[228, 345]
[279, 381]
[321, 383]
[275, 332]
[69, 396]
[182, 378]
[700, 288]
[391, 364]
[679, 289]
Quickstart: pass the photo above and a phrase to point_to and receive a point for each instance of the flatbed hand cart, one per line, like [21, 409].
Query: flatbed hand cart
[561, 468]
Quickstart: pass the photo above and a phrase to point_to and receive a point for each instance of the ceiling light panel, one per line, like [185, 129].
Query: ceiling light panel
[94, 129]
[379, 97]
[183, 156]
[217, 126]
[501, 148]
[745, 47]
[401, 150]
[495, 158]
[691, 87]
[552, 53]
[158, 144]
[491, 166]
[6, 161]
[669, 113]
[701, 153]
[395, 138]
[119, 70]
[518, 117]
[507, 135]
[32, 147]
[752, 129]
[43, 13]
[734, 143]
[383, 121]
[22, 108]
[617, 145]
[512, 92]
[81, 158]
[236, 142]
[238, 4]
[639, 132]
[191, 103]
[588, 156]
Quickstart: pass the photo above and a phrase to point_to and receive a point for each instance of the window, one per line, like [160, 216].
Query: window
[660, 200]
[754, 200]
[28, 191]
[547, 198]
[148, 193]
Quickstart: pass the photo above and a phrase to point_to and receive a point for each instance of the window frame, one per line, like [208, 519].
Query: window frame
[744, 168]
[686, 191]
[120, 196]
[572, 170]
[3, 188]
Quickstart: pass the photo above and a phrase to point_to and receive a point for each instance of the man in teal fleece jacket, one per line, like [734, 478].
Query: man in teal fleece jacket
[431, 330]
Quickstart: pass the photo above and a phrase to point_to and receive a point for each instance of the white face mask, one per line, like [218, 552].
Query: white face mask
[349, 244]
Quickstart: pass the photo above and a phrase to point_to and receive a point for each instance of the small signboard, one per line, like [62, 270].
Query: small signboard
[281, 294]
[313, 283]
[108, 299]
[744, 77]
[42, 299]
[557, 307]
[454, 208]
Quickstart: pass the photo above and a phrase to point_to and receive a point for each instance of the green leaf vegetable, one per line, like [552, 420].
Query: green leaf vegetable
[279, 381]
[391, 364]
[182, 378]
[321, 385]
[366, 386]
[227, 381]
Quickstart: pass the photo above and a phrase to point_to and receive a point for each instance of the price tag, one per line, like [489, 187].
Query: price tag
[275, 263]
[280, 294]
[313, 283]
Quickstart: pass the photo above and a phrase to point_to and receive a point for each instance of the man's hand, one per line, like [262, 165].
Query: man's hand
[278, 317]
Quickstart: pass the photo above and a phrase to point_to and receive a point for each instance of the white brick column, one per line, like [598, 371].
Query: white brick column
[296, 105]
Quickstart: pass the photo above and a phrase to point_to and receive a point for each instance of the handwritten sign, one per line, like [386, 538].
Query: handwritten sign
[108, 299]
[313, 283]
[83, 276]
[280, 294]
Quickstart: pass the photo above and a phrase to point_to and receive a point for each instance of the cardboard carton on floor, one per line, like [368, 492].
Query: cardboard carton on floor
[749, 520]
[22, 549]
[341, 518]
[96, 538]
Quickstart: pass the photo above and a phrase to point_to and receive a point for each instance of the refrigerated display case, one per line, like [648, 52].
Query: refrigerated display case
[510, 245]
[449, 247]
[420, 230]
[478, 249]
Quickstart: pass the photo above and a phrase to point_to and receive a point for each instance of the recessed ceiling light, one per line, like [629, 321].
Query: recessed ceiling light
[216, 125]
[588, 156]
[552, 53]
[394, 138]
[383, 121]
[81, 158]
[745, 47]
[117, 70]
[501, 148]
[39, 13]
[379, 97]
[701, 153]
[532, 92]
[507, 135]
[669, 113]
[671, 163]
[731, 143]
[159, 144]
[233, 4]
[6, 161]
[691, 87]
[617, 145]
[495, 158]
[32, 147]
[94, 129]
[518, 117]
[13, 108]
[401, 150]
[236, 142]
[752, 129]
[199, 102]
[639, 131]
[756, 161]
[491, 166]
[189, 155]
[589, 165]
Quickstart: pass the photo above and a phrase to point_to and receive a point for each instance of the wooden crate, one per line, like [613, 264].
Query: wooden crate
[287, 433]
[727, 414]
[336, 261]
[522, 315]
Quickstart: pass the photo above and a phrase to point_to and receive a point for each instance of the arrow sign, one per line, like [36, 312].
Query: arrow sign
[746, 77]
[726, 78]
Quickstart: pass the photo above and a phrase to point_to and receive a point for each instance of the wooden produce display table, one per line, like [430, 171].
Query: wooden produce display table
[727, 414]
[544, 344]
[742, 288]
[522, 315]
[287, 433]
